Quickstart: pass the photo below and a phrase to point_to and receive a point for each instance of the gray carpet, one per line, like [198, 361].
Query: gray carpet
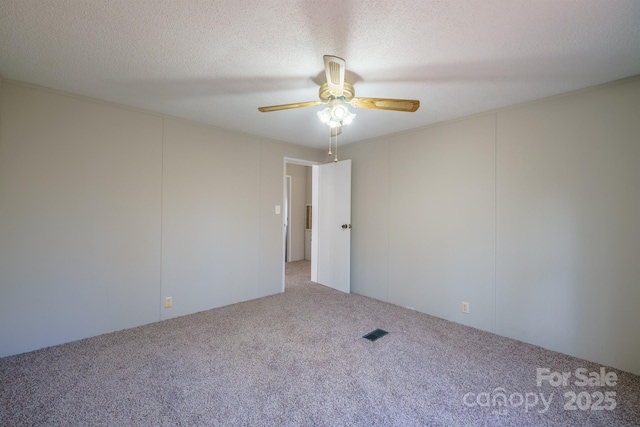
[299, 359]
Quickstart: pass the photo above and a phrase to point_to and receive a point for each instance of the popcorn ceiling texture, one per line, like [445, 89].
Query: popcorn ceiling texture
[299, 359]
[216, 62]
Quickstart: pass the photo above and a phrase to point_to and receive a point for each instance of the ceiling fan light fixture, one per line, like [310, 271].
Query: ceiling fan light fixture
[336, 115]
[340, 111]
[325, 115]
[348, 118]
[337, 95]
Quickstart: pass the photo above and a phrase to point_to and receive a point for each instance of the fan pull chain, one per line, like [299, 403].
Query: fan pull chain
[329, 141]
[336, 158]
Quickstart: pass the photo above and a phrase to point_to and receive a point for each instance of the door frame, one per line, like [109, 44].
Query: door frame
[287, 217]
[314, 190]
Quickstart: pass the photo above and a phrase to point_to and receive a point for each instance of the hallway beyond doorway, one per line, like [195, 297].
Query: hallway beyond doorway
[297, 273]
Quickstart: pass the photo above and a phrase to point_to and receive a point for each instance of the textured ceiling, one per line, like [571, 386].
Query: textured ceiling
[216, 62]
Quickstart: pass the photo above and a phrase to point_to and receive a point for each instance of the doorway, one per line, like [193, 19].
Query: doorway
[296, 216]
[298, 195]
[330, 223]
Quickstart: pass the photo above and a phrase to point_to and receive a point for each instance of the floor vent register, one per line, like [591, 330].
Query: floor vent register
[378, 333]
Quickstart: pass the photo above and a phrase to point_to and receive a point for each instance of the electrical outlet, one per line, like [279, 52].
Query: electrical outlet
[168, 302]
[465, 307]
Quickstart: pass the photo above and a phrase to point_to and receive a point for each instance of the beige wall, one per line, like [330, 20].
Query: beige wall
[569, 224]
[210, 217]
[106, 210]
[529, 213]
[80, 187]
[309, 189]
[441, 217]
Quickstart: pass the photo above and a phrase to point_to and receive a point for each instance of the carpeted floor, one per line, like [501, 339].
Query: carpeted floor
[299, 359]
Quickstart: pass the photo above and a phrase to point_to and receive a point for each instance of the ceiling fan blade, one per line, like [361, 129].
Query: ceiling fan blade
[408, 105]
[334, 68]
[289, 106]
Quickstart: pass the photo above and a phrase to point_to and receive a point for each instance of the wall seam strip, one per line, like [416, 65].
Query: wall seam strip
[495, 219]
[161, 290]
[388, 221]
[260, 214]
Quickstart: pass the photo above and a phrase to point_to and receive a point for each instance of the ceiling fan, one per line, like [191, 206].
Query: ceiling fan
[338, 94]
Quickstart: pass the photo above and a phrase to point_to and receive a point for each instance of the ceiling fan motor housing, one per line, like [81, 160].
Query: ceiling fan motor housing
[347, 94]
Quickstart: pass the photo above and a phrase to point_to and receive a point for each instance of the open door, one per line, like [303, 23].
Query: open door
[331, 230]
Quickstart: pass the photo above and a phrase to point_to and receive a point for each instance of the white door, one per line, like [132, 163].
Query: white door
[331, 230]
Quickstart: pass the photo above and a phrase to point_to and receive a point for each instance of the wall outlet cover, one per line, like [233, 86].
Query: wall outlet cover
[465, 307]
